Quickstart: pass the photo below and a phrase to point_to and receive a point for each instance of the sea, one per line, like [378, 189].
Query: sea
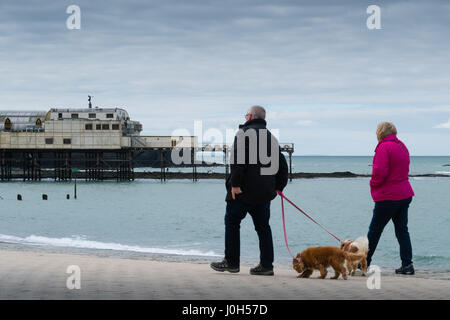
[184, 220]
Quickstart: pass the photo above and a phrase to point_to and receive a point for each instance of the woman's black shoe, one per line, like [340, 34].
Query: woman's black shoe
[408, 270]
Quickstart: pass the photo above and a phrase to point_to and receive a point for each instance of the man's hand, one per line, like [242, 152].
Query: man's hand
[235, 191]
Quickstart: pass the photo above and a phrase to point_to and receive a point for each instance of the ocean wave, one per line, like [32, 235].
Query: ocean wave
[431, 260]
[81, 243]
[443, 172]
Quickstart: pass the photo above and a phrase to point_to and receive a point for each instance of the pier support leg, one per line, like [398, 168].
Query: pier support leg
[225, 161]
[290, 166]
[163, 170]
[118, 165]
[2, 165]
[130, 165]
[194, 166]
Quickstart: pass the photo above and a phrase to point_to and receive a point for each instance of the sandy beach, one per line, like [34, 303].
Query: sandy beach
[43, 275]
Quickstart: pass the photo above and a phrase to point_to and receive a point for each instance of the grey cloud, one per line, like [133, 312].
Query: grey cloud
[189, 60]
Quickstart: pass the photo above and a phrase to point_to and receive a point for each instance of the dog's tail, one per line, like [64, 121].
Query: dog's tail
[354, 256]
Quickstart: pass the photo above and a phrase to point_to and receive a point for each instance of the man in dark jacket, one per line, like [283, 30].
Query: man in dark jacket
[258, 170]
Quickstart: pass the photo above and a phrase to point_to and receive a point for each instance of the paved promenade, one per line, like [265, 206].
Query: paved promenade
[37, 275]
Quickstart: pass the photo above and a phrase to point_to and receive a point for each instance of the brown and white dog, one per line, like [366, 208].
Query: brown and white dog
[321, 258]
[359, 246]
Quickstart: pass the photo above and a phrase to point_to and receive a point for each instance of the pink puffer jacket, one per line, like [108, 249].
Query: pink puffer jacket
[390, 171]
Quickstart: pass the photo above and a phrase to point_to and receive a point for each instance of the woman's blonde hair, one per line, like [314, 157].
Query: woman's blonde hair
[385, 129]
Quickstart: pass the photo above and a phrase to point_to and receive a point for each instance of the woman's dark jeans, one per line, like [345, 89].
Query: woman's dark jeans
[383, 212]
[260, 214]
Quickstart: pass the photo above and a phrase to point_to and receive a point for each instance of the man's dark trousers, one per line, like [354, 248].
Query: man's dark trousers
[235, 212]
[383, 212]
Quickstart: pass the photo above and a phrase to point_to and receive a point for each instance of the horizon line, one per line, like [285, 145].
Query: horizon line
[350, 155]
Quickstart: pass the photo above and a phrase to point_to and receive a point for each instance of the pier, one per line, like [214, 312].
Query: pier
[119, 165]
[94, 144]
[98, 165]
[62, 165]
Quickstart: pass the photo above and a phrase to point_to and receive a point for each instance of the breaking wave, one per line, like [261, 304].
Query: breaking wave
[82, 243]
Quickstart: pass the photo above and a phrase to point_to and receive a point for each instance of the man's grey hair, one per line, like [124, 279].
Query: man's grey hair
[257, 112]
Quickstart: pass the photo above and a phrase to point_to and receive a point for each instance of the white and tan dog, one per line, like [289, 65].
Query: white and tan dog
[360, 245]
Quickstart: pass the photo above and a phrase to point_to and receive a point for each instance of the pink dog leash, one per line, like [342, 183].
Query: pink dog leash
[284, 226]
[284, 223]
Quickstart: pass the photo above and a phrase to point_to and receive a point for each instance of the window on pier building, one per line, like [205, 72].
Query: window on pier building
[98, 127]
[105, 126]
[92, 115]
[67, 141]
[110, 115]
[115, 126]
[48, 140]
[7, 124]
[88, 126]
[60, 115]
[74, 116]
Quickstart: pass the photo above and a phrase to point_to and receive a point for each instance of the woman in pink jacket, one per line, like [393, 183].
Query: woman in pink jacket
[392, 193]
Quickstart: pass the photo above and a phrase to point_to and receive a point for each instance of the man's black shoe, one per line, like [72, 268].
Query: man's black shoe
[223, 266]
[260, 271]
[408, 270]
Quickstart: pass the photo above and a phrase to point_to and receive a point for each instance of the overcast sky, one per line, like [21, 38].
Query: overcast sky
[325, 79]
